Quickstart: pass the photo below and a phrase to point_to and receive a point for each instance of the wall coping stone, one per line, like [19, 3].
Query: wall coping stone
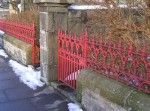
[112, 90]
[55, 1]
[18, 45]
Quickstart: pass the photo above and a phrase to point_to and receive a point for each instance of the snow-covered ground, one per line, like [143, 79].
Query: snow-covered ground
[74, 107]
[73, 76]
[27, 75]
[31, 78]
[2, 32]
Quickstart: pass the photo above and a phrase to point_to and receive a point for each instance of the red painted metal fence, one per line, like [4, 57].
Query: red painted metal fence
[25, 33]
[126, 65]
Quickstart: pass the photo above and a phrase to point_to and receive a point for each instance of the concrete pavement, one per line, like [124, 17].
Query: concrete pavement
[16, 96]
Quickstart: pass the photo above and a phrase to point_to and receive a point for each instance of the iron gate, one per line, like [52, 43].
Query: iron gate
[70, 58]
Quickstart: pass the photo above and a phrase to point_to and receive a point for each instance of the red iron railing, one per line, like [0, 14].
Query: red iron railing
[126, 65]
[25, 33]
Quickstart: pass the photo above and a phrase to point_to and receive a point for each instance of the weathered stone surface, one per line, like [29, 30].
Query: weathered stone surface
[77, 21]
[53, 9]
[99, 93]
[19, 50]
[3, 14]
[94, 102]
[48, 55]
[1, 41]
[53, 15]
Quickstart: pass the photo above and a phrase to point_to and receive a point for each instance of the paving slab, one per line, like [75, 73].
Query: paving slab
[22, 105]
[5, 69]
[59, 109]
[3, 97]
[10, 84]
[49, 102]
[7, 76]
[23, 93]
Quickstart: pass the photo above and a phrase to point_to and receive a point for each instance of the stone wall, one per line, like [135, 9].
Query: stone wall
[3, 13]
[1, 41]
[77, 21]
[99, 93]
[53, 15]
[18, 50]
[95, 92]
[28, 5]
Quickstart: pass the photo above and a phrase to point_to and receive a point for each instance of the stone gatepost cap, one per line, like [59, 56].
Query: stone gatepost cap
[55, 1]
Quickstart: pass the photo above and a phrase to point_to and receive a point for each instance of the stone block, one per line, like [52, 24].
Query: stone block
[53, 15]
[47, 22]
[18, 50]
[99, 93]
[77, 21]
[55, 1]
[1, 41]
[49, 72]
[48, 45]
[93, 102]
[48, 55]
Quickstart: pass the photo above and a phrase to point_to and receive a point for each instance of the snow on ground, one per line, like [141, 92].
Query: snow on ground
[74, 107]
[27, 75]
[73, 76]
[2, 53]
[19, 7]
[2, 32]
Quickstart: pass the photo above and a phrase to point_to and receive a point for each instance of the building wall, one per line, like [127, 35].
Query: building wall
[11, 10]
[25, 6]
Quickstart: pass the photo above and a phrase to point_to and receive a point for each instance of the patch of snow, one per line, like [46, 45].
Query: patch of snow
[2, 10]
[123, 6]
[27, 75]
[130, 109]
[19, 7]
[86, 7]
[55, 103]
[2, 32]
[72, 76]
[2, 53]
[74, 107]
[92, 7]
[45, 91]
